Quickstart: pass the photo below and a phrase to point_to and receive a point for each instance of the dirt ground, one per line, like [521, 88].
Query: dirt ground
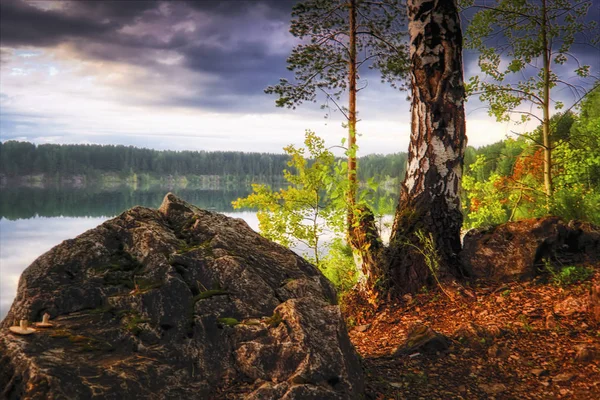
[531, 340]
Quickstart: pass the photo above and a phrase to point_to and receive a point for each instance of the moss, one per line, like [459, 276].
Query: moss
[119, 280]
[122, 313]
[103, 310]
[228, 321]
[119, 262]
[187, 247]
[133, 323]
[207, 294]
[274, 320]
[107, 268]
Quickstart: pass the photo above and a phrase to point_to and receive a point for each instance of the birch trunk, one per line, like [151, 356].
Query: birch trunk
[429, 195]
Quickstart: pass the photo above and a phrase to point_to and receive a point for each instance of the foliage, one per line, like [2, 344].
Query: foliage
[311, 207]
[484, 205]
[567, 275]
[522, 45]
[338, 265]
[505, 182]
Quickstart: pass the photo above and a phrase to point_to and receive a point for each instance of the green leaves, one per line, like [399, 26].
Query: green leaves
[311, 207]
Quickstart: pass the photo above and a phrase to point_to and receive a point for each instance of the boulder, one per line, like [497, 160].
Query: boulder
[517, 250]
[177, 303]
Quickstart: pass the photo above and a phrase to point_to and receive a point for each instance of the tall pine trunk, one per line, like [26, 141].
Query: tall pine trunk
[429, 196]
[352, 176]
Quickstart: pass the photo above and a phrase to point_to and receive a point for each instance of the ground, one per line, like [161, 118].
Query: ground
[527, 340]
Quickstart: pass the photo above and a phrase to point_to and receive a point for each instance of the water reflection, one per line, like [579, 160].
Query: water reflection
[33, 220]
[29, 202]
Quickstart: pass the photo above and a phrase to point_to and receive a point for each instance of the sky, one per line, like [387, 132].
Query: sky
[182, 75]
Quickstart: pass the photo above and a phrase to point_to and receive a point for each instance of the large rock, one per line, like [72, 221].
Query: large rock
[177, 303]
[516, 250]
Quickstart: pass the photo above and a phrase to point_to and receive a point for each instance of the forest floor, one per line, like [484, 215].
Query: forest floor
[528, 340]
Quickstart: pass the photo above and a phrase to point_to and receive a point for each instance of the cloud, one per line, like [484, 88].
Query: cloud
[23, 24]
[242, 44]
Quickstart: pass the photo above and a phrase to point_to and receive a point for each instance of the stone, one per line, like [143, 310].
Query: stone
[516, 250]
[479, 336]
[177, 303]
[539, 372]
[492, 388]
[587, 353]
[497, 351]
[423, 339]
[571, 306]
[563, 378]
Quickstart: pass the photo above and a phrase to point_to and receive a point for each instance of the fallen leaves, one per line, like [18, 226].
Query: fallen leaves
[519, 340]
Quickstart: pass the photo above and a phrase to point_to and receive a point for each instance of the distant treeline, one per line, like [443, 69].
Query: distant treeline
[24, 158]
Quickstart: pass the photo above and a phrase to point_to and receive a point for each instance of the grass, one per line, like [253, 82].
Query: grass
[567, 275]
[274, 320]
[207, 294]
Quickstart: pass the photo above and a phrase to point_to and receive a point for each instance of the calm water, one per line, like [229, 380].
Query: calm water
[34, 220]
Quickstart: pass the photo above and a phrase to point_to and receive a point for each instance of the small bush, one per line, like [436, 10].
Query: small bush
[568, 275]
[338, 266]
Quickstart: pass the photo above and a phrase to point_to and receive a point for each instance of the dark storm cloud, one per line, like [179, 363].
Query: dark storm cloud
[230, 7]
[25, 25]
[225, 42]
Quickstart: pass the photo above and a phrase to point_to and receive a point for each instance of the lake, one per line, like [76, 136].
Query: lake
[33, 220]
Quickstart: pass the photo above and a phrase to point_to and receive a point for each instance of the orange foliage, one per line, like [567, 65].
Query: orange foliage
[532, 165]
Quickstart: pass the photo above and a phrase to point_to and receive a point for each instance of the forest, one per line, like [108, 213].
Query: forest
[21, 159]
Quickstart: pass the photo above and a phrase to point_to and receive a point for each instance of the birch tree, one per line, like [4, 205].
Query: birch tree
[429, 213]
